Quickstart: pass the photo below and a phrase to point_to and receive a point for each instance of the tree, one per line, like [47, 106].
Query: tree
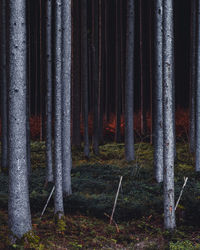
[18, 203]
[58, 198]
[192, 76]
[95, 56]
[129, 138]
[168, 128]
[84, 74]
[76, 74]
[3, 79]
[158, 122]
[66, 96]
[197, 164]
[49, 172]
[118, 73]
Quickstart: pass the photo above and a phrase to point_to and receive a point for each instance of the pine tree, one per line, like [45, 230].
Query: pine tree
[168, 127]
[58, 198]
[66, 96]
[3, 82]
[49, 171]
[129, 137]
[84, 74]
[18, 203]
[158, 122]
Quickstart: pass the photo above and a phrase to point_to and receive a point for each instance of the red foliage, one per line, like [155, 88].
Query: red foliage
[182, 124]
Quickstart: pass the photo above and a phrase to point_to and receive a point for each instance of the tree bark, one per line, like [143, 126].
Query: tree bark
[3, 79]
[168, 128]
[158, 122]
[192, 75]
[66, 96]
[129, 111]
[18, 202]
[118, 73]
[197, 164]
[58, 198]
[49, 167]
[95, 56]
[84, 74]
[76, 87]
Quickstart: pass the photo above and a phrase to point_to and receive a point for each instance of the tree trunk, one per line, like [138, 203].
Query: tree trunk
[118, 73]
[95, 76]
[58, 198]
[66, 96]
[3, 79]
[49, 168]
[192, 76]
[28, 92]
[142, 114]
[84, 74]
[129, 111]
[76, 100]
[158, 122]
[168, 128]
[101, 72]
[198, 93]
[18, 202]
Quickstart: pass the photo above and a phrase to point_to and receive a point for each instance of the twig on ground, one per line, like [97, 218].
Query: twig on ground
[47, 202]
[116, 197]
[185, 182]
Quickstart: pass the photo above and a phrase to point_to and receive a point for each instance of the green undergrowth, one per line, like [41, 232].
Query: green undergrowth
[139, 211]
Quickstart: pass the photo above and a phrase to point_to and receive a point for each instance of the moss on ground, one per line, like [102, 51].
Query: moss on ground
[139, 212]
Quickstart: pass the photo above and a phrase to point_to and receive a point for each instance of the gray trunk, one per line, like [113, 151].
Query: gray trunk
[84, 74]
[49, 168]
[76, 75]
[192, 75]
[197, 164]
[118, 74]
[18, 203]
[129, 135]
[95, 56]
[58, 198]
[3, 82]
[66, 96]
[158, 122]
[168, 128]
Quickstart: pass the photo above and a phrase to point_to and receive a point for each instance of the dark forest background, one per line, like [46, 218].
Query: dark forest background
[143, 33]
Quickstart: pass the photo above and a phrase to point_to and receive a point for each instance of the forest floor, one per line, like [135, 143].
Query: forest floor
[138, 218]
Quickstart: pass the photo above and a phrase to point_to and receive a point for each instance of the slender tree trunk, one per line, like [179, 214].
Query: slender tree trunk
[101, 89]
[141, 74]
[76, 100]
[18, 203]
[129, 111]
[150, 71]
[168, 129]
[118, 74]
[49, 168]
[3, 79]
[158, 122]
[192, 76]
[198, 92]
[95, 76]
[107, 72]
[58, 198]
[66, 96]
[28, 91]
[84, 74]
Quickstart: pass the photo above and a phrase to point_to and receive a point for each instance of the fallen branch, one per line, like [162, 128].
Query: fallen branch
[185, 182]
[116, 197]
[47, 202]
